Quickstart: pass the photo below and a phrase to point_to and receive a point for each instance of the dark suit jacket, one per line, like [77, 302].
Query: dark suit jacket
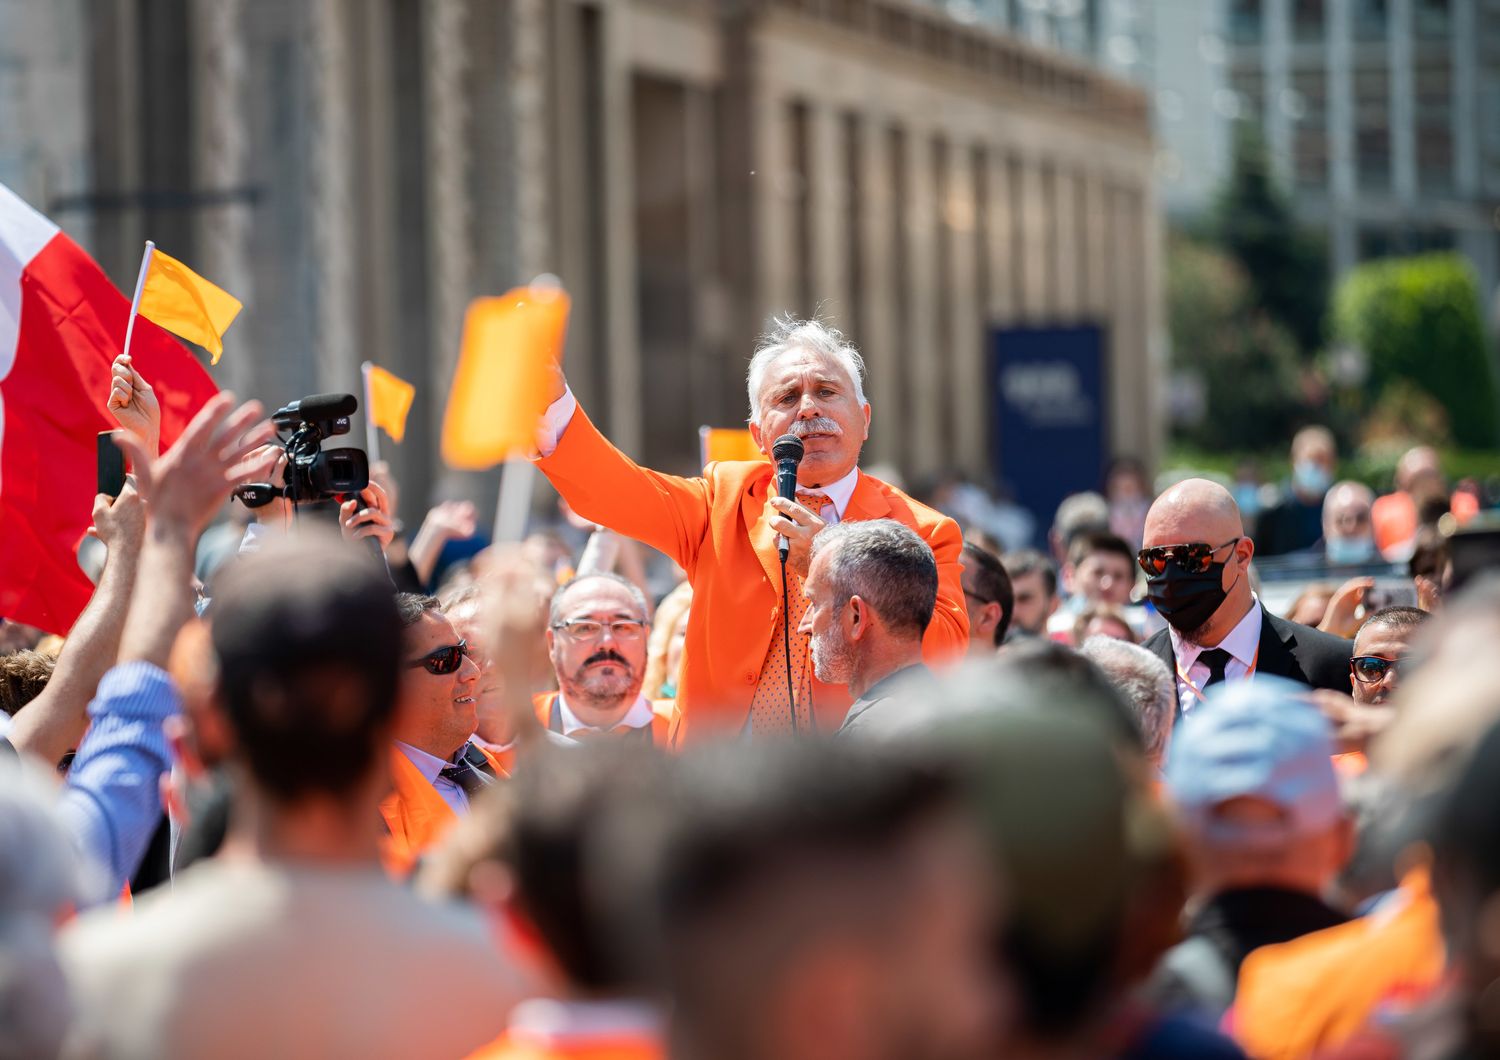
[1287, 649]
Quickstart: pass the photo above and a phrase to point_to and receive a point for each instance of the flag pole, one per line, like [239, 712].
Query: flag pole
[372, 432]
[140, 285]
[511, 508]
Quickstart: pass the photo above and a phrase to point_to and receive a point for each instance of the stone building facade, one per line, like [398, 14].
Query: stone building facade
[357, 170]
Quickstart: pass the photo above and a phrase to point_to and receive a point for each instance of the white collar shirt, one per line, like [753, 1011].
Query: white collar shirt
[1242, 643]
[638, 716]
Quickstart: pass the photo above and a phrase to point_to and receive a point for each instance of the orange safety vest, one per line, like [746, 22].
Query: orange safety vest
[1300, 997]
[611, 1047]
[664, 717]
[415, 814]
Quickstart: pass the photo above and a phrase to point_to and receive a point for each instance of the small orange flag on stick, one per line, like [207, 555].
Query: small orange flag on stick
[388, 399]
[727, 443]
[172, 295]
[511, 348]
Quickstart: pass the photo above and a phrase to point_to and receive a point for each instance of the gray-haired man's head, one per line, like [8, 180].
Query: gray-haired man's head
[868, 576]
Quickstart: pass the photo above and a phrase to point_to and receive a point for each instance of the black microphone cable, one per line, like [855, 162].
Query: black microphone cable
[786, 638]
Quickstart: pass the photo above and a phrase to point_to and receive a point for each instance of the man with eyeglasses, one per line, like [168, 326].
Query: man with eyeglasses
[1197, 563]
[596, 636]
[1380, 649]
[435, 769]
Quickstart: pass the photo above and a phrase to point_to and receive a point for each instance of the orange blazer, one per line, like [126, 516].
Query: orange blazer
[1315, 992]
[717, 528]
[617, 1047]
[415, 813]
[663, 716]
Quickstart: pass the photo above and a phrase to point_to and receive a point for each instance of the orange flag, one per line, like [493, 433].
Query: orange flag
[388, 399]
[177, 298]
[511, 348]
[727, 443]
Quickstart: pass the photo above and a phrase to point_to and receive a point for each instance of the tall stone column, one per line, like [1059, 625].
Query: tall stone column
[1000, 239]
[882, 344]
[220, 149]
[529, 135]
[829, 209]
[1066, 298]
[922, 356]
[622, 327]
[450, 253]
[331, 142]
[965, 357]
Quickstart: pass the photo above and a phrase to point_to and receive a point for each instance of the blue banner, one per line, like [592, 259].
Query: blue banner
[1049, 430]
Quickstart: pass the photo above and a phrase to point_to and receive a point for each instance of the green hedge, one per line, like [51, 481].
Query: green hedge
[1418, 319]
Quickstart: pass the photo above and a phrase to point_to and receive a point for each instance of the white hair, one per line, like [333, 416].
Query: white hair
[1144, 681]
[786, 333]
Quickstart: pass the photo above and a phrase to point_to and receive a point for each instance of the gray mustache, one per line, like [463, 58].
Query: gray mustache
[816, 425]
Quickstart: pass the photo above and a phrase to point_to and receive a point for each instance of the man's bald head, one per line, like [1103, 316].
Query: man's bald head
[1418, 466]
[1193, 510]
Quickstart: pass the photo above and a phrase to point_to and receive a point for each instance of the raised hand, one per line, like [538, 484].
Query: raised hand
[799, 526]
[186, 486]
[120, 523]
[368, 515]
[133, 403]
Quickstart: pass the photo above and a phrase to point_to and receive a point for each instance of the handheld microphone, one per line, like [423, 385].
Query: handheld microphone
[786, 451]
[316, 408]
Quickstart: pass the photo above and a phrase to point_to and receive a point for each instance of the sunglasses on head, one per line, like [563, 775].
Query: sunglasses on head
[445, 660]
[1194, 557]
[1370, 669]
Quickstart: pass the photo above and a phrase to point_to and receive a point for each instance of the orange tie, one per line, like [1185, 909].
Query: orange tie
[815, 502]
[772, 705]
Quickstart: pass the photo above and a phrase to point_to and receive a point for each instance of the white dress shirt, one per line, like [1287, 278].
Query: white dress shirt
[1242, 644]
[430, 766]
[638, 716]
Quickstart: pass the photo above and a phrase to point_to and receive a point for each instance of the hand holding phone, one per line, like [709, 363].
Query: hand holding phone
[111, 465]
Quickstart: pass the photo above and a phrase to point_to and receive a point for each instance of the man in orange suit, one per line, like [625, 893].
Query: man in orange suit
[435, 769]
[738, 672]
[596, 637]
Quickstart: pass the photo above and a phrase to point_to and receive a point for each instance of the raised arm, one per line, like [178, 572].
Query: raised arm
[54, 722]
[605, 486]
[112, 801]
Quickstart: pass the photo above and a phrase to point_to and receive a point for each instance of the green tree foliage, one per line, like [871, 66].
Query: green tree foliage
[1418, 320]
[1247, 362]
[1286, 267]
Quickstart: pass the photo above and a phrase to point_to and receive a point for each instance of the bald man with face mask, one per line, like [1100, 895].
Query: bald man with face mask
[1196, 556]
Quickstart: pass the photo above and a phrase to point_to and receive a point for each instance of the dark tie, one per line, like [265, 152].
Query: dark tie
[1215, 659]
[471, 780]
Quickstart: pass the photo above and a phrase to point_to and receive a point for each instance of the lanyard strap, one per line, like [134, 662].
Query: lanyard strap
[1183, 677]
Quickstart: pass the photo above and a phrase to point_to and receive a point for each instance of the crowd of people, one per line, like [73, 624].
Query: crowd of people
[706, 771]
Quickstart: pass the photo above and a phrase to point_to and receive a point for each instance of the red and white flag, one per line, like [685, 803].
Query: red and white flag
[62, 323]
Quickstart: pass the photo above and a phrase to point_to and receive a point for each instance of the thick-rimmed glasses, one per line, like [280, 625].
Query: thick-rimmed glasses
[583, 629]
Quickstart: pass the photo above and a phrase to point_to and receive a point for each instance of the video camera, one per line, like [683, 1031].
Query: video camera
[312, 472]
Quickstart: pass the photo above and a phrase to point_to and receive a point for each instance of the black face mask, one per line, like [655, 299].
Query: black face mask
[1187, 601]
